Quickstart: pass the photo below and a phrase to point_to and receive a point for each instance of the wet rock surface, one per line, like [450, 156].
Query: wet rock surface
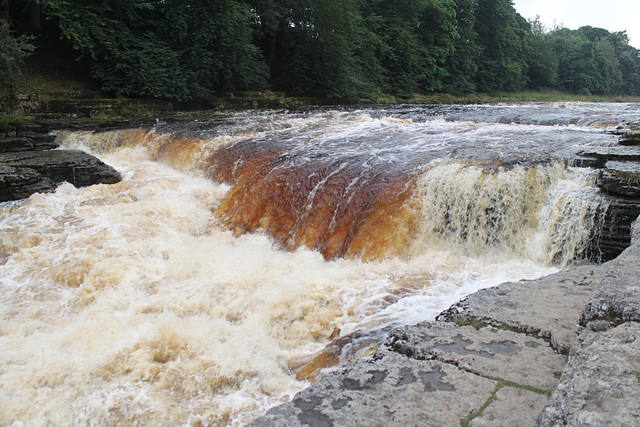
[30, 163]
[387, 389]
[486, 351]
[510, 355]
[619, 181]
[20, 183]
[26, 172]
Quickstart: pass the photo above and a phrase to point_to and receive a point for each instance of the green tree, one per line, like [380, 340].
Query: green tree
[415, 37]
[577, 70]
[316, 47]
[337, 41]
[596, 61]
[630, 69]
[164, 48]
[542, 63]
[461, 64]
[501, 36]
[628, 63]
[13, 50]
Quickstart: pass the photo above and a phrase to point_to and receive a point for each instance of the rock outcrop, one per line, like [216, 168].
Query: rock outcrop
[619, 180]
[26, 172]
[29, 163]
[601, 383]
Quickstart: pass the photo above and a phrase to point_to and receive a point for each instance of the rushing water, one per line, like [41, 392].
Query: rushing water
[203, 288]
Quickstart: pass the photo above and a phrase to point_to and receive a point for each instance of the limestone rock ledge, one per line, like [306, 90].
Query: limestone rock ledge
[510, 355]
[601, 383]
[31, 165]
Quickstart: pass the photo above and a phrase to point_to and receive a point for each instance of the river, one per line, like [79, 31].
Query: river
[204, 287]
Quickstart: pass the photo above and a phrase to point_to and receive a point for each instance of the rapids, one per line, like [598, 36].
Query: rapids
[203, 288]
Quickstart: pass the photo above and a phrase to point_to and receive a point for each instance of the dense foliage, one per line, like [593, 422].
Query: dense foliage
[185, 49]
[12, 51]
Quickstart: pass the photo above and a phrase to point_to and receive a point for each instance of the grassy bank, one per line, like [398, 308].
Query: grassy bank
[546, 95]
[54, 96]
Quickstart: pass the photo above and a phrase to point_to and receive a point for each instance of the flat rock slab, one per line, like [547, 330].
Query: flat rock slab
[601, 383]
[27, 172]
[617, 299]
[488, 352]
[633, 167]
[386, 389]
[36, 143]
[548, 308]
[618, 152]
[512, 406]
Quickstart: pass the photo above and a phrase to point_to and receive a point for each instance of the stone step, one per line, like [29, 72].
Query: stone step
[618, 152]
[487, 351]
[629, 167]
[621, 178]
[631, 137]
[547, 308]
[601, 383]
[34, 143]
[27, 172]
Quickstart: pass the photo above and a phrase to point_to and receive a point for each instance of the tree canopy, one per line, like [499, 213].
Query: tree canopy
[13, 50]
[340, 49]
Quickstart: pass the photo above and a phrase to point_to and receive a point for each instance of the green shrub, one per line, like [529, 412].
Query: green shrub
[13, 50]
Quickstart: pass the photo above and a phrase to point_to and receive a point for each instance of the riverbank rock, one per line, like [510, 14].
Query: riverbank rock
[515, 336]
[29, 163]
[498, 357]
[619, 180]
[617, 299]
[601, 383]
[547, 308]
[20, 183]
[26, 172]
[387, 389]
[486, 351]
[39, 143]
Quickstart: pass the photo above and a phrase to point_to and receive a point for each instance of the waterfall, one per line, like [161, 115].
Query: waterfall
[369, 188]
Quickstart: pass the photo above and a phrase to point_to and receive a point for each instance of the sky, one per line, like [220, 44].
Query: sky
[612, 15]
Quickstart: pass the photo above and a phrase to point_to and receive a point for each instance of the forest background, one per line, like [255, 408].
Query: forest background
[336, 49]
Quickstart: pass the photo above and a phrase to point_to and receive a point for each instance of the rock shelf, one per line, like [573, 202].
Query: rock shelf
[560, 350]
[30, 162]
